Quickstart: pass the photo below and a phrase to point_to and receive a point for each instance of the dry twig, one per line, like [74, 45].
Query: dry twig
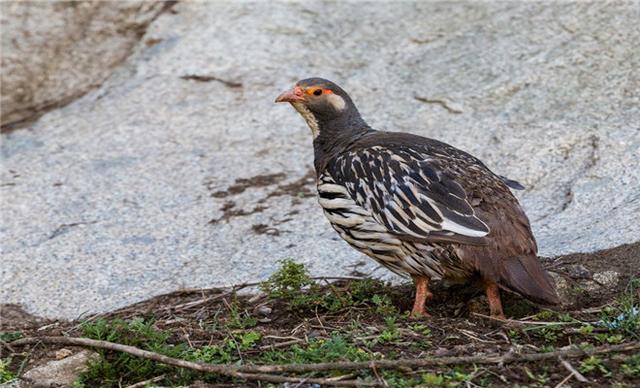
[146, 382]
[261, 372]
[225, 370]
[573, 371]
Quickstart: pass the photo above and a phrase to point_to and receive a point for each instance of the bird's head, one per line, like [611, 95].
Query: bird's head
[323, 105]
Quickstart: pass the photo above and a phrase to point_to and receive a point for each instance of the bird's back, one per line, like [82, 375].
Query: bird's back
[436, 209]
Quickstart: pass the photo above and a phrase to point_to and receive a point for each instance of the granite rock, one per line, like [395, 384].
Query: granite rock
[54, 52]
[60, 372]
[179, 171]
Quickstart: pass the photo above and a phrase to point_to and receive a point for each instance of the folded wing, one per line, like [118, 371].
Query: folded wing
[412, 195]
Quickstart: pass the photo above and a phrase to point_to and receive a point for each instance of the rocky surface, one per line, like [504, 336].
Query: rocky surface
[54, 52]
[179, 171]
[61, 372]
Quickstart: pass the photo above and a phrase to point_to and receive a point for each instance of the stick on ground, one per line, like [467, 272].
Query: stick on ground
[265, 372]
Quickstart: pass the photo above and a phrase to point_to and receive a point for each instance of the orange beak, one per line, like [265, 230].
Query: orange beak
[294, 95]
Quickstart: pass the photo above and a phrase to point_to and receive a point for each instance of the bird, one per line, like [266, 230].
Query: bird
[418, 206]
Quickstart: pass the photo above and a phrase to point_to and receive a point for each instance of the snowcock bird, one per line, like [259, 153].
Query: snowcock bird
[418, 206]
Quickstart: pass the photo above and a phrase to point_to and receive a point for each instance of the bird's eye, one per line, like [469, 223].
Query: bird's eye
[317, 92]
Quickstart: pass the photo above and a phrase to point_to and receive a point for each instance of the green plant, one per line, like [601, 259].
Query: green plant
[5, 374]
[336, 348]
[586, 329]
[238, 318]
[383, 304]
[593, 364]
[623, 315]
[212, 354]
[114, 369]
[292, 284]
[546, 315]
[398, 380]
[10, 336]
[631, 367]
[606, 338]
[549, 333]
[389, 336]
[449, 379]
[433, 379]
[421, 329]
[541, 378]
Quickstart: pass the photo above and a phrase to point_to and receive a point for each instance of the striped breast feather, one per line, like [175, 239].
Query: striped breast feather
[411, 194]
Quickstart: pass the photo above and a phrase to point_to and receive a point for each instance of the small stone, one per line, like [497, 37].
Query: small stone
[60, 373]
[563, 288]
[257, 297]
[579, 271]
[607, 279]
[264, 310]
[63, 353]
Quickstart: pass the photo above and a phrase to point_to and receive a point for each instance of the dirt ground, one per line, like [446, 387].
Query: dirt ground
[366, 328]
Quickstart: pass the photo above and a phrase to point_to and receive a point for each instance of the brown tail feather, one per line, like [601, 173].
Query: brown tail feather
[525, 275]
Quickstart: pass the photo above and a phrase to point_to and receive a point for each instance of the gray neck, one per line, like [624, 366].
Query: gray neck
[336, 134]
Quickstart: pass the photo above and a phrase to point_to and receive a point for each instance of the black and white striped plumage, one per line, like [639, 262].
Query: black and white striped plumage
[395, 205]
[416, 205]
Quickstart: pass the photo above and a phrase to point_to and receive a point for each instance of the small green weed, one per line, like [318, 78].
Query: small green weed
[540, 378]
[398, 379]
[593, 364]
[631, 367]
[114, 369]
[624, 315]
[586, 329]
[549, 333]
[383, 304]
[5, 374]
[239, 319]
[449, 379]
[546, 315]
[10, 336]
[292, 284]
[613, 339]
[214, 354]
[433, 380]
[336, 348]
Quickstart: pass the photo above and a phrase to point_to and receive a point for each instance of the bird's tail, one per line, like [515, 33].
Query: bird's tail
[525, 275]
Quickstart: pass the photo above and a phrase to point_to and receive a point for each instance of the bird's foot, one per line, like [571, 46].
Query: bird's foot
[495, 303]
[499, 316]
[422, 295]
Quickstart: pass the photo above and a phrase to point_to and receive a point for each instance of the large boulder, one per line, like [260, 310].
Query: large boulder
[54, 52]
[179, 171]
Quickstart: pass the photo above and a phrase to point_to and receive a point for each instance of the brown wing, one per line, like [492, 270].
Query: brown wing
[510, 255]
[491, 232]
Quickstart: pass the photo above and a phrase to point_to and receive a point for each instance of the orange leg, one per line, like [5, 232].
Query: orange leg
[422, 295]
[493, 296]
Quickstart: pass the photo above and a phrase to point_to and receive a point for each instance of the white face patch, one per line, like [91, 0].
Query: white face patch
[308, 117]
[336, 101]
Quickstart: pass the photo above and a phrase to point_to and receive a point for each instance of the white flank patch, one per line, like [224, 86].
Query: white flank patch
[451, 226]
[459, 229]
[336, 102]
[308, 117]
